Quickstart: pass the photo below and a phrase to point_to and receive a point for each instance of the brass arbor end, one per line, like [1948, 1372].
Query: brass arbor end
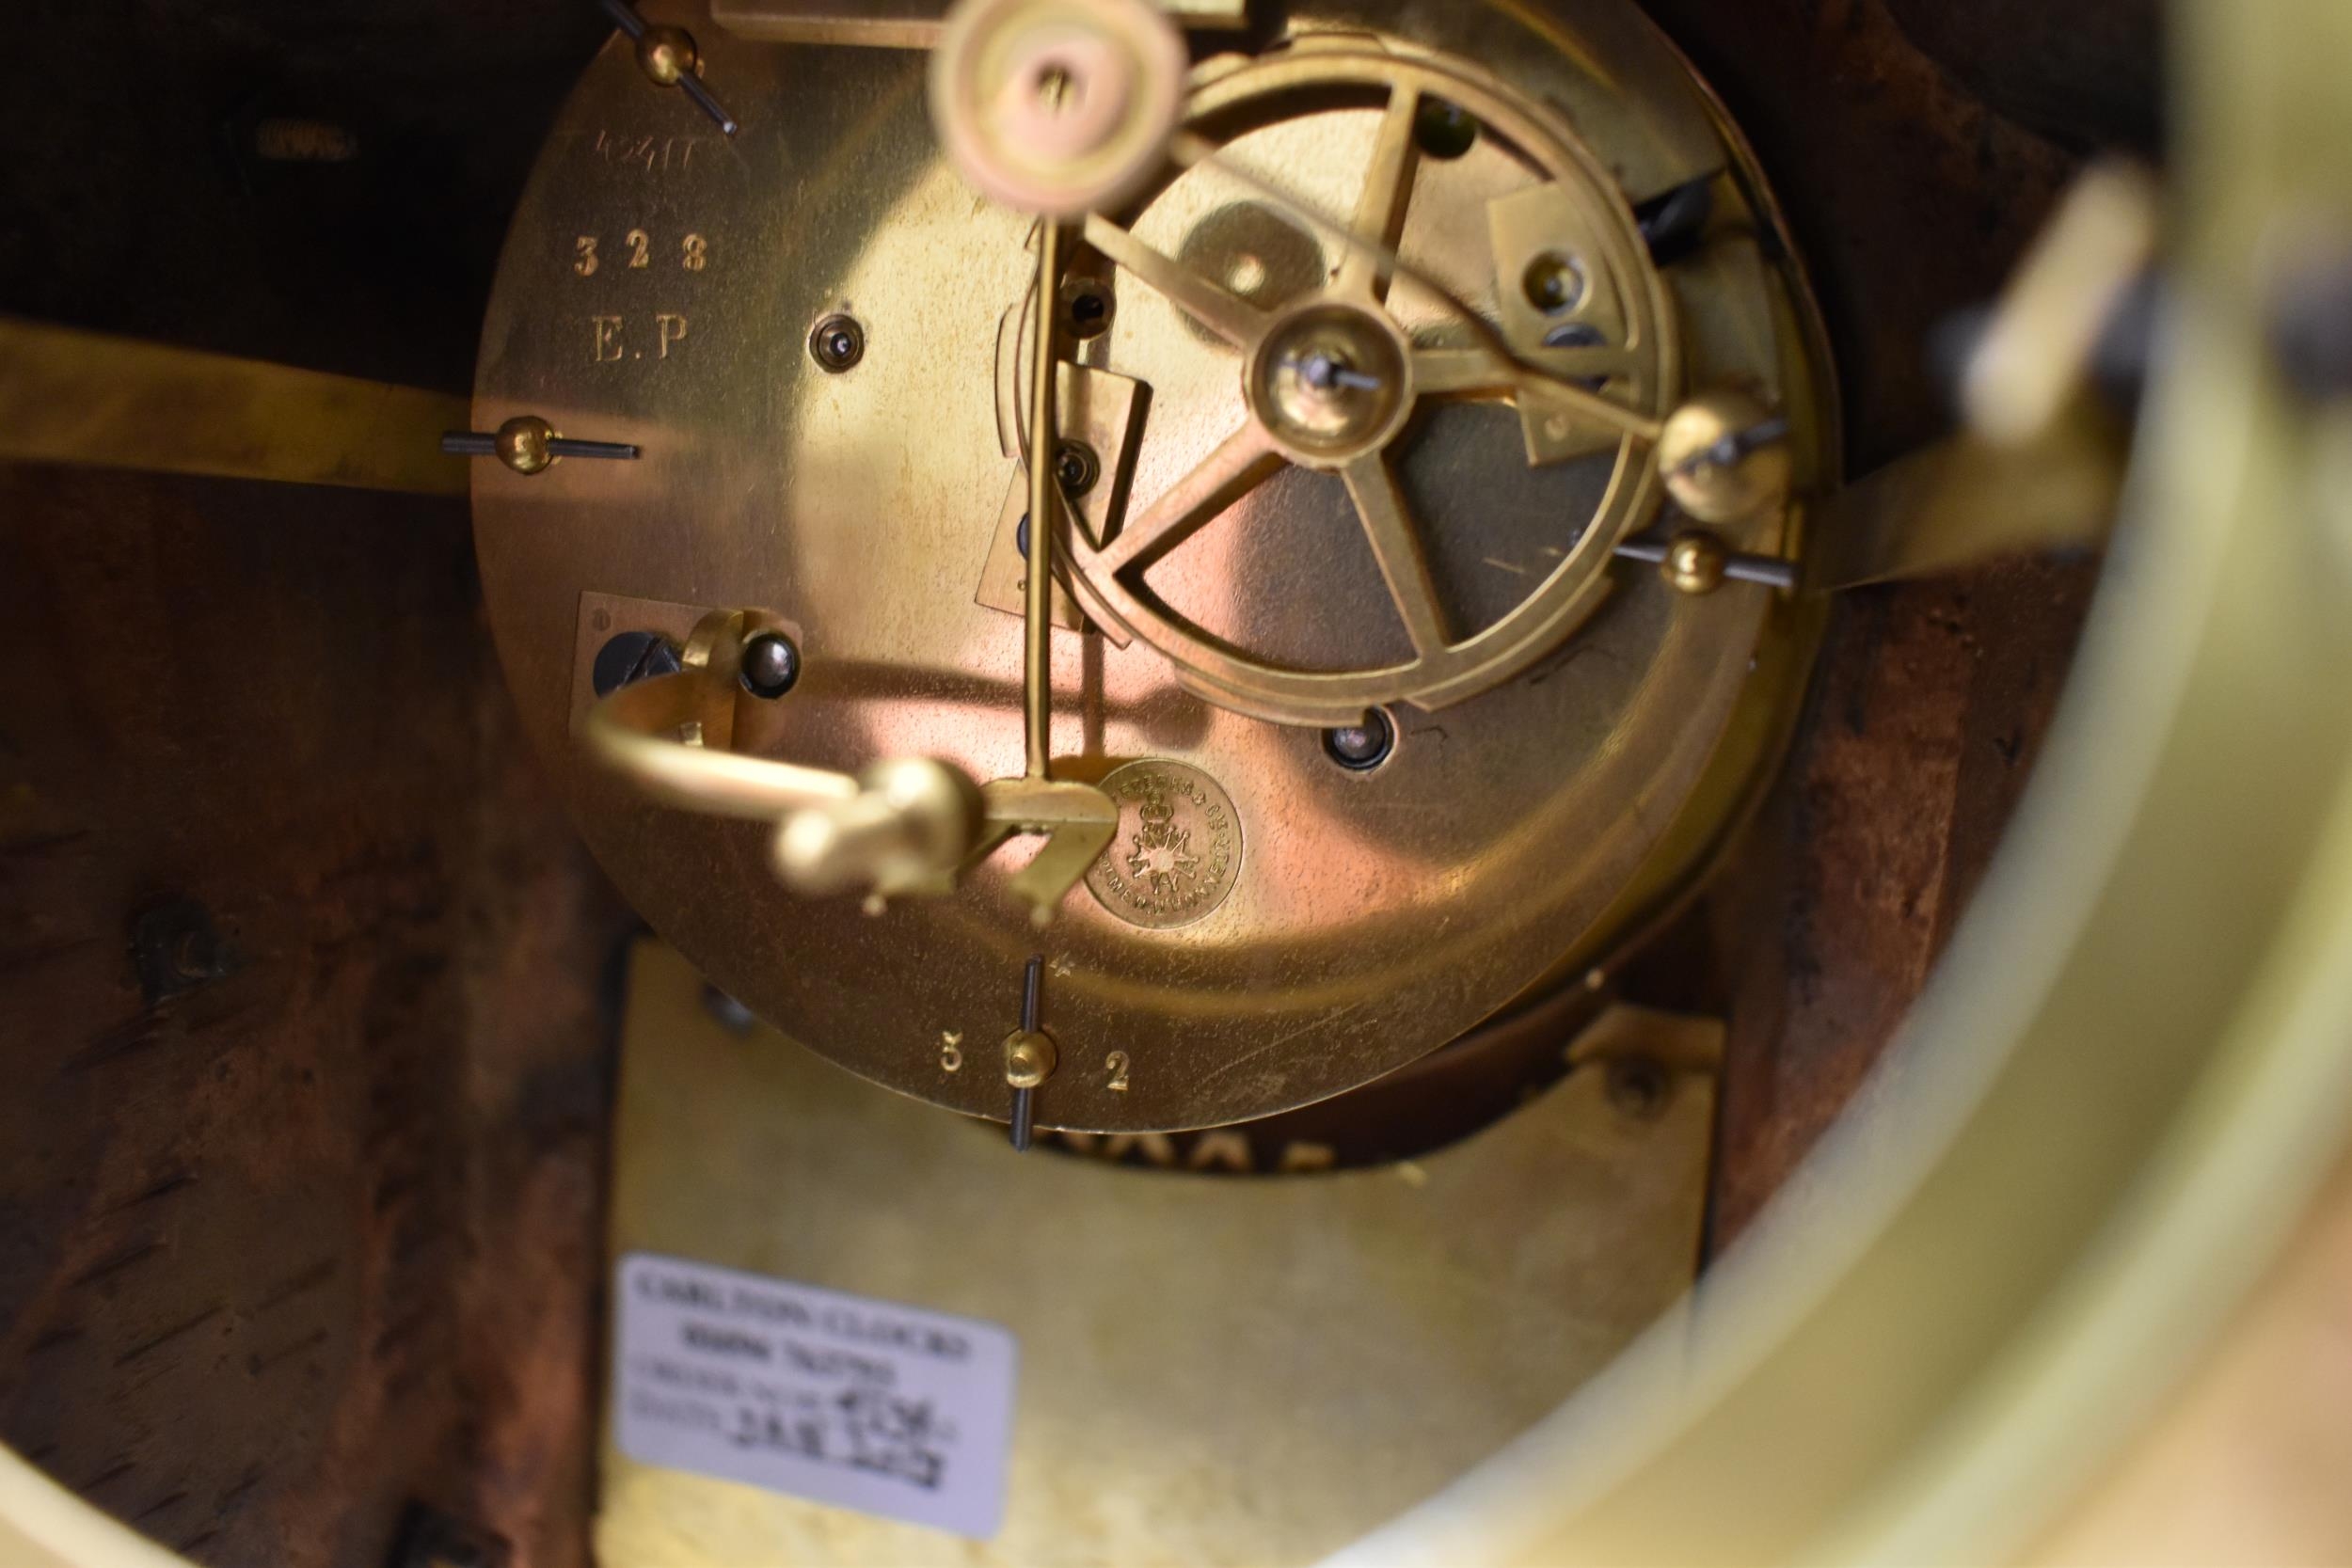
[528, 445]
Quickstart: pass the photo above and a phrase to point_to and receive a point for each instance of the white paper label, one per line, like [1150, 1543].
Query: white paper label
[866, 1404]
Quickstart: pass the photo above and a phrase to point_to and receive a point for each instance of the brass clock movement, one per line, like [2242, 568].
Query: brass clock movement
[1433, 400]
[1289, 591]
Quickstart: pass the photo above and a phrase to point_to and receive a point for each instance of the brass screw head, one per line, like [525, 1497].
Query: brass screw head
[1553, 283]
[837, 343]
[1029, 1059]
[1077, 467]
[1711, 473]
[1694, 562]
[1639, 1086]
[666, 54]
[523, 443]
[771, 665]
[1362, 747]
[1086, 304]
[1444, 130]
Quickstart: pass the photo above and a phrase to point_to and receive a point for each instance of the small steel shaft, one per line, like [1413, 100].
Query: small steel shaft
[1740, 443]
[1025, 1099]
[1738, 565]
[561, 446]
[726, 122]
[675, 62]
[476, 443]
[528, 444]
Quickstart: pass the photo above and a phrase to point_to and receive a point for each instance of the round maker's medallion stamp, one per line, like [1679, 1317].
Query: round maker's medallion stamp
[1178, 848]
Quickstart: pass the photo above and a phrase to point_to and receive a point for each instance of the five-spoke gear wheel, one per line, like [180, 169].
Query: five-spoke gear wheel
[1330, 381]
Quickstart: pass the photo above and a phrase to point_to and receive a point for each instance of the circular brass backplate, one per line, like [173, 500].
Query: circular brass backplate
[1372, 916]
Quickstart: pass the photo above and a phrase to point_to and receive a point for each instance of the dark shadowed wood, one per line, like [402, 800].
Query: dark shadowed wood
[302, 1240]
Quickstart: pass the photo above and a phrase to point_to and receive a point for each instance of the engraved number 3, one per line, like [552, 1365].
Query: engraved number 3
[1116, 1064]
[950, 1053]
[586, 262]
[639, 249]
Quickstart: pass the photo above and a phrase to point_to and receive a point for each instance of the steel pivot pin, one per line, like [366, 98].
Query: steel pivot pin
[1029, 1057]
[528, 444]
[669, 60]
[1696, 561]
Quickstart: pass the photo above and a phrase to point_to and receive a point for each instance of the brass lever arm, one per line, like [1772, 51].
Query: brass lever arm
[633, 732]
[904, 827]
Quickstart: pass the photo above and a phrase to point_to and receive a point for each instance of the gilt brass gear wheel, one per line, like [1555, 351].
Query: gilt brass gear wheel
[1332, 380]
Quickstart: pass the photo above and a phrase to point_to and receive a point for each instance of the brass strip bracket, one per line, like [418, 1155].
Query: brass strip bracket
[89, 400]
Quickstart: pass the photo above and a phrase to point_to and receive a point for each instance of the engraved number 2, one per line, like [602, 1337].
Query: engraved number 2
[639, 249]
[1116, 1064]
[586, 262]
[693, 253]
